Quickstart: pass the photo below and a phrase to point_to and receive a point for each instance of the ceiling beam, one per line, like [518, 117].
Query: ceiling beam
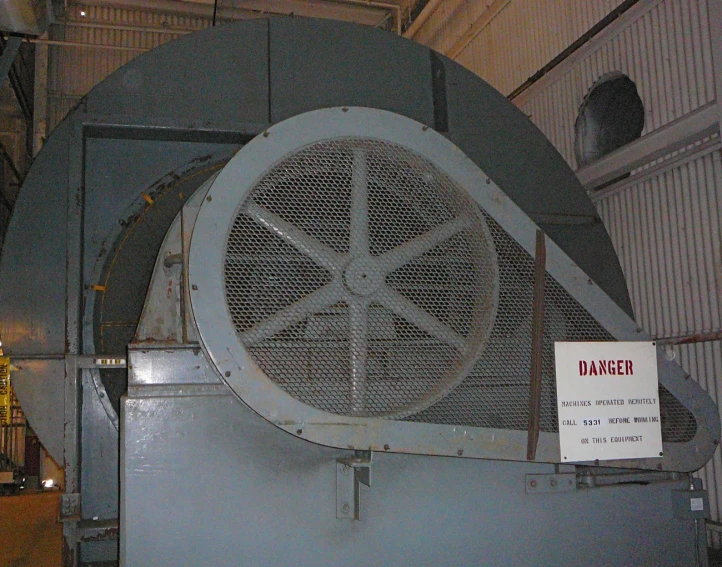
[481, 22]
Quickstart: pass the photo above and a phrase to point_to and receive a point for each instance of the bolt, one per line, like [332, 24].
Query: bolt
[345, 109]
[553, 482]
[460, 452]
[346, 508]
[532, 483]
[228, 373]
[265, 134]
[660, 453]
[209, 198]
[488, 181]
[386, 447]
[299, 431]
[425, 128]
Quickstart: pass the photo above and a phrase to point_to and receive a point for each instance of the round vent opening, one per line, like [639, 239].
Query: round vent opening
[360, 278]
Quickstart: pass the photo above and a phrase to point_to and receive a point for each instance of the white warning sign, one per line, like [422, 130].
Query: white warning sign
[608, 401]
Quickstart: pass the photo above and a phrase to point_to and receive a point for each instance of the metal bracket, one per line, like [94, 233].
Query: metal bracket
[70, 507]
[351, 473]
[551, 483]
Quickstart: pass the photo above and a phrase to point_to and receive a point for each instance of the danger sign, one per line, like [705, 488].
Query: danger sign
[608, 401]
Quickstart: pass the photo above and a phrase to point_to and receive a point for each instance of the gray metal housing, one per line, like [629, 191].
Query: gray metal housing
[196, 101]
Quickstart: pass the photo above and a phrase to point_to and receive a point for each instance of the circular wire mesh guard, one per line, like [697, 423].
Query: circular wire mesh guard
[361, 279]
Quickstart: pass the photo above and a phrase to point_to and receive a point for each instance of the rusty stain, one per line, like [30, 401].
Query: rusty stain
[102, 534]
[537, 342]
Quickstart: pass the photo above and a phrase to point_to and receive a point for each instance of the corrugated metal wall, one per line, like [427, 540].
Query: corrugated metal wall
[667, 52]
[667, 232]
[113, 37]
[523, 37]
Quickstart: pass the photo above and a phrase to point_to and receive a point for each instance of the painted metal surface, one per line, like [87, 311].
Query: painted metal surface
[224, 347]
[73, 72]
[40, 386]
[257, 481]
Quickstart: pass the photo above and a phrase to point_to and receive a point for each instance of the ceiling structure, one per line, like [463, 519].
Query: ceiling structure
[391, 14]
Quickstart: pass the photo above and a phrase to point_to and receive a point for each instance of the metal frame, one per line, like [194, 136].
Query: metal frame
[237, 368]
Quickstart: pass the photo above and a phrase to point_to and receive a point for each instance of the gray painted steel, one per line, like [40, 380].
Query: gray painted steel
[225, 196]
[206, 481]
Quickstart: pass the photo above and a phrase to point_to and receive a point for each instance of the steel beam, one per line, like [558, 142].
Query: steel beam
[661, 142]
[12, 47]
[714, 10]
[476, 28]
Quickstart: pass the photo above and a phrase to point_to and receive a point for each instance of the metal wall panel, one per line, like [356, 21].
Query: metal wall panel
[667, 52]
[666, 231]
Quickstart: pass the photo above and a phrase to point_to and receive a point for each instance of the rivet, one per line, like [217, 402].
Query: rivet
[386, 447]
[552, 482]
[424, 128]
[661, 454]
[345, 469]
[346, 508]
[266, 134]
[532, 483]
[194, 287]
[299, 431]
[460, 452]
[228, 373]
[345, 109]
[488, 181]
[209, 198]
[596, 461]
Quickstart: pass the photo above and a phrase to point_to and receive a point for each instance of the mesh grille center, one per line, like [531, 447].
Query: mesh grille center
[361, 279]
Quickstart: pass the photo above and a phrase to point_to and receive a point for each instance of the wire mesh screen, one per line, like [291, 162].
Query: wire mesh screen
[363, 281]
[496, 392]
